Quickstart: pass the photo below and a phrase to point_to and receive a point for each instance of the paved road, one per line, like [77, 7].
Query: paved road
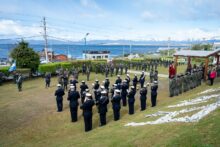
[147, 73]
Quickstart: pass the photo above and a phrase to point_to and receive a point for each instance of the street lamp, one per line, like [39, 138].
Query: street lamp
[87, 34]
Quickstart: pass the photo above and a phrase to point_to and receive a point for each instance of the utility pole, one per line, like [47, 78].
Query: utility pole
[130, 50]
[123, 53]
[45, 38]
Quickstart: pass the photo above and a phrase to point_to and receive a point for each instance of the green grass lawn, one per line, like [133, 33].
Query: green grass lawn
[29, 118]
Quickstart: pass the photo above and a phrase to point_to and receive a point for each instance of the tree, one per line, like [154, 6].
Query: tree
[205, 47]
[25, 56]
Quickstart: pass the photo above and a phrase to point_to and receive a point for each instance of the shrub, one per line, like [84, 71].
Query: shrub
[5, 70]
[52, 67]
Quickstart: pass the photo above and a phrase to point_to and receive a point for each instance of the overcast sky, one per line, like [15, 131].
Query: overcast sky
[112, 19]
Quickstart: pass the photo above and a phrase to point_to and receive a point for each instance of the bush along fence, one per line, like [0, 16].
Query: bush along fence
[71, 65]
[25, 71]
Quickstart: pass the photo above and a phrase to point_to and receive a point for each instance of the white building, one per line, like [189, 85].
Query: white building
[96, 54]
[216, 45]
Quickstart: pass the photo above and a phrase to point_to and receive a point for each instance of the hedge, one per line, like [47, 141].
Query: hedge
[52, 67]
[5, 70]
[19, 70]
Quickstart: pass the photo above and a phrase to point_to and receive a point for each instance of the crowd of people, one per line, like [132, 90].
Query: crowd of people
[192, 78]
[121, 93]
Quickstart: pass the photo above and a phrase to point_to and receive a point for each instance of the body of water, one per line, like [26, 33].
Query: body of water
[76, 50]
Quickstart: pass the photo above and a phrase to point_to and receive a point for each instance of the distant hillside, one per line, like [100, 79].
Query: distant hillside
[109, 42]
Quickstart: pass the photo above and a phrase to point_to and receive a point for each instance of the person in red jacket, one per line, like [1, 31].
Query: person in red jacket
[212, 75]
[172, 71]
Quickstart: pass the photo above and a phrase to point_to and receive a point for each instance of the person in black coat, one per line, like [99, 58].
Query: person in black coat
[154, 88]
[47, 80]
[142, 79]
[102, 107]
[96, 87]
[116, 104]
[124, 88]
[73, 97]
[106, 84]
[73, 81]
[59, 93]
[135, 81]
[131, 100]
[19, 82]
[118, 82]
[87, 111]
[128, 79]
[112, 91]
[143, 97]
[65, 82]
[83, 87]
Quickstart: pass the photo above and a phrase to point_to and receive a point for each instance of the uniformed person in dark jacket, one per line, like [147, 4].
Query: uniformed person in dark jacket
[73, 81]
[1, 78]
[84, 69]
[87, 111]
[102, 107]
[116, 104]
[114, 87]
[118, 81]
[19, 82]
[106, 84]
[83, 87]
[88, 73]
[142, 79]
[73, 97]
[151, 76]
[143, 97]
[154, 88]
[59, 93]
[128, 79]
[135, 81]
[124, 88]
[131, 100]
[96, 87]
[47, 80]
[65, 82]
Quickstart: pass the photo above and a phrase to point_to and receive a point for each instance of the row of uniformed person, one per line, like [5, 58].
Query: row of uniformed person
[119, 93]
[185, 82]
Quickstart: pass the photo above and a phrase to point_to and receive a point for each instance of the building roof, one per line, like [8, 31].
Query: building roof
[194, 53]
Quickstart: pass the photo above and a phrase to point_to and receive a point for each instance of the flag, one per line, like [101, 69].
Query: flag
[13, 67]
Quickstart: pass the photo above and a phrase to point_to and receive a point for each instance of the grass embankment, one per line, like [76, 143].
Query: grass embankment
[29, 118]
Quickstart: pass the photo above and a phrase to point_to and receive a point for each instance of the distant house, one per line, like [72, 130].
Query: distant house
[133, 56]
[216, 45]
[96, 54]
[50, 55]
[60, 57]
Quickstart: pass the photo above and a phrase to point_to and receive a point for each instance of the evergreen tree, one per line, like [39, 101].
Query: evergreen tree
[25, 56]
